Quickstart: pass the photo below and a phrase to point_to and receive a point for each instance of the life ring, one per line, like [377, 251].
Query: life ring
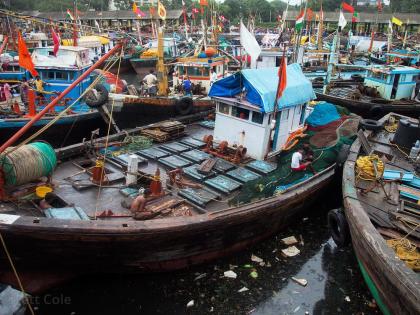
[97, 96]
[371, 124]
[339, 228]
[357, 77]
[184, 105]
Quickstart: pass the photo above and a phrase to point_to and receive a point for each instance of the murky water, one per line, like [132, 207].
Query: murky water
[334, 283]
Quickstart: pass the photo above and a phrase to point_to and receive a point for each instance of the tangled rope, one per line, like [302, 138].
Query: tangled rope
[365, 169]
[406, 251]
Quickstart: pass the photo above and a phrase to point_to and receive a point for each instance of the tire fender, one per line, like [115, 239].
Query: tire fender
[184, 105]
[339, 228]
[97, 97]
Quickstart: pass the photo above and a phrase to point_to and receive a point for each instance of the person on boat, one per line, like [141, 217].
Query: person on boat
[23, 91]
[151, 80]
[299, 164]
[39, 85]
[186, 84]
[7, 93]
[213, 76]
[308, 153]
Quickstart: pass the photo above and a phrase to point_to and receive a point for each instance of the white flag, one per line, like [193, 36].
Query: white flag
[249, 43]
[97, 25]
[342, 21]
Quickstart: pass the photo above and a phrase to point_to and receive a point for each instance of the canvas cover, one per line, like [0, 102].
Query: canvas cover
[260, 87]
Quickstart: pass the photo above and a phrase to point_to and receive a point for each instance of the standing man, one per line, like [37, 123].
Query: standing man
[213, 76]
[39, 85]
[23, 91]
[186, 84]
[151, 81]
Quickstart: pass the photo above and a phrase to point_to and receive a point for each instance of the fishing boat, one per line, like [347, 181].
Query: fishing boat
[197, 190]
[381, 193]
[384, 89]
[58, 73]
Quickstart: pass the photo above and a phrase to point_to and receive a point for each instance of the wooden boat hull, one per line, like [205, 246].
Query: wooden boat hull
[154, 245]
[394, 286]
[67, 130]
[373, 109]
[150, 109]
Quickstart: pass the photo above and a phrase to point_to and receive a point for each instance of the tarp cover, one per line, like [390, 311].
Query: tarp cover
[260, 86]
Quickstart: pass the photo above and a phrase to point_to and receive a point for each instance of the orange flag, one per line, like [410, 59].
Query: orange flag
[282, 78]
[25, 60]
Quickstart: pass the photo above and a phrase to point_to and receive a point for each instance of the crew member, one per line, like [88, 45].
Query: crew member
[213, 76]
[299, 164]
[186, 84]
[151, 81]
[23, 91]
[39, 85]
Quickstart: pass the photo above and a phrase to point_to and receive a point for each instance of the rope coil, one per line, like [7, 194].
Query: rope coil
[365, 169]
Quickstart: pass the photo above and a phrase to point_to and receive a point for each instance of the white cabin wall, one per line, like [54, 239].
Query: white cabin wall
[252, 136]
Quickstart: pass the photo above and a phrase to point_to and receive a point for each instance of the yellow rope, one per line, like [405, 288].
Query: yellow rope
[365, 169]
[392, 125]
[16, 274]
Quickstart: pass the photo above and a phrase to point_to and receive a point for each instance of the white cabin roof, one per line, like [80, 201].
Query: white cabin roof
[67, 57]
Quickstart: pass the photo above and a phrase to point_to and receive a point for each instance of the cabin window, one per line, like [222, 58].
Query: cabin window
[205, 72]
[224, 108]
[60, 75]
[193, 71]
[181, 70]
[241, 113]
[71, 76]
[377, 75]
[50, 75]
[402, 78]
[284, 114]
[257, 117]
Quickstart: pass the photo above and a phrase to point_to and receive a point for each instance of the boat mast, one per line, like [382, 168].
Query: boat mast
[331, 62]
[405, 34]
[161, 70]
[75, 24]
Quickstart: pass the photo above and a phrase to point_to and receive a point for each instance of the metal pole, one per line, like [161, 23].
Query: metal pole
[29, 124]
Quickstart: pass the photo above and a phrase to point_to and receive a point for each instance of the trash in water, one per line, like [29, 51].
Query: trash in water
[190, 303]
[200, 276]
[254, 274]
[347, 299]
[291, 240]
[243, 289]
[256, 259]
[230, 274]
[290, 251]
[302, 282]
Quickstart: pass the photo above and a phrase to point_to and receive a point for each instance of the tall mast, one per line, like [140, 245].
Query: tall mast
[161, 70]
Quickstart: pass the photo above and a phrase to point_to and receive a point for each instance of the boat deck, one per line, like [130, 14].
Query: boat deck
[394, 213]
[78, 197]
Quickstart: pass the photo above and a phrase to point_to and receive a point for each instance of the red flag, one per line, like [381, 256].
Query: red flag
[347, 7]
[204, 3]
[25, 60]
[56, 41]
[309, 14]
[282, 78]
[379, 5]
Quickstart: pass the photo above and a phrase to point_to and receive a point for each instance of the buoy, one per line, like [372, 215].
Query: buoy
[210, 51]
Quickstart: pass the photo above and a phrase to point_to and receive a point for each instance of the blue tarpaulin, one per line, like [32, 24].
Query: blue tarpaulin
[260, 86]
[323, 114]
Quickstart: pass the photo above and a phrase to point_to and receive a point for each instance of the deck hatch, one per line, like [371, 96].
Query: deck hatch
[198, 196]
[175, 161]
[192, 172]
[223, 184]
[196, 155]
[261, 167]
[153, 153]
[175, 147]
[243, 175]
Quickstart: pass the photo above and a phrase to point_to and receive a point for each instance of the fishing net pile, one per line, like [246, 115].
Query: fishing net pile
[328, 128]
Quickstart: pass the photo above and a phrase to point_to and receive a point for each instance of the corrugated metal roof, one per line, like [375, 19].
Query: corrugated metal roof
[331, 16]
[106, 15]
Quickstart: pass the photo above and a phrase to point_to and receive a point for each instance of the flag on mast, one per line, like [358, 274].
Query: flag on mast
[56, 41]
[25, 60]
[137, 11]
[161, 11]
[249, 43]
[70, 16]
[347, 7]
[342, 20]
[396, 21]
[299, 21]
[282, 78]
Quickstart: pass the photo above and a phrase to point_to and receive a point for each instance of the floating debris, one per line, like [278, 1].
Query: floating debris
[200, 276]
[256, 259]
[290, 251]
[254, 274]
[291, 240]
[243, 289]
[302, 282]
[190, 303]
[230, 274]
[347, 298]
